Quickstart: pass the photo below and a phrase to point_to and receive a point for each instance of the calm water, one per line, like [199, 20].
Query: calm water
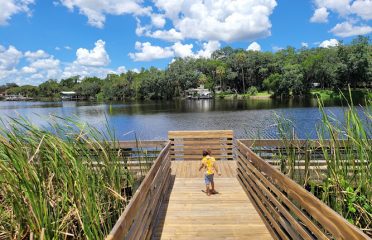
[152, 120]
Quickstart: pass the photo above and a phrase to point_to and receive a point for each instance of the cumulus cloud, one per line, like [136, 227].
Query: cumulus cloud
[148, 52]
[208, 49]
[96, 57]
[96, 10]
[170, 35]
[182, 50]
[10, 7]
[43, 66]
[304, 44]
[320, 15]
[46, 63]
[329, 43]
[347, 29]
[342, 7]
[9, 58]
[31, 56]
[254, 47]
[355, 12]
[158, 20]
[220, 20]
[362, 8]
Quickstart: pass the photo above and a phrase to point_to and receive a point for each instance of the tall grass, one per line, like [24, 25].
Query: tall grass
[345, 183]
[60, 182]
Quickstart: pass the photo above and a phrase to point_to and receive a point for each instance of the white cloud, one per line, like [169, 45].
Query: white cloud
[342, 7]
[96, 57]
[96, 10]
[346, 29]
[158, 20]
[218, 20]
[304, 44]
[362, 8]
[10, 7]
[329, 43]
[31, 56]
[182, 50]
[276, 48]
[43, 66]
[352, 11]
[170, 35]
[68, 48]
[148, 52]
[208, 49]
[46, 63]
[9, 58]
[57, 48]
[121, 69]
[27, 69]
[254, 47]
[320, 15]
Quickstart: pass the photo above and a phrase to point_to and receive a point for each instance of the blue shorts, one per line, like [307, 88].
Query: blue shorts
[208, 178]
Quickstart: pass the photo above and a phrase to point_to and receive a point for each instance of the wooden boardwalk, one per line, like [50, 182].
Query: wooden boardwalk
[255, 200]
[190, 214]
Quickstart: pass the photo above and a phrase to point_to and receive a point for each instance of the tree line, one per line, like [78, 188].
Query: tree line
[288, 72]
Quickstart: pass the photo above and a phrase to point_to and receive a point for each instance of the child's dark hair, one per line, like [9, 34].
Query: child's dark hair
[205, 153]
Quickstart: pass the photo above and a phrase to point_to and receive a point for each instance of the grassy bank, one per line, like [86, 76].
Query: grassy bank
[254, 95]
[60, 183]
[327, 94]
[346, 183]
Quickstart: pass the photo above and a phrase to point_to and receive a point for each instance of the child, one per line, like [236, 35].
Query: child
[209, 164]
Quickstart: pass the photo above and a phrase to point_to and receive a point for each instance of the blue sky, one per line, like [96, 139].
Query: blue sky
[57, 39]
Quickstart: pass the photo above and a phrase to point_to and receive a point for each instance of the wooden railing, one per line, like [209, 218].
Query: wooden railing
[288, 210]
[188, 145]
[138, 219]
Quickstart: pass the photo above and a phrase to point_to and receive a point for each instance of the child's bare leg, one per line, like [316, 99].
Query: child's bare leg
[207, 190]
[213, 191]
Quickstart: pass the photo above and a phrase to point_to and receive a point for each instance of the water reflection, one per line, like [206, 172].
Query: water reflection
[152, 120]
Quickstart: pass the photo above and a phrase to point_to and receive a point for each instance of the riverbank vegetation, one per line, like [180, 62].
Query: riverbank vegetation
[344, 182]
[288, 72]
[62, 183]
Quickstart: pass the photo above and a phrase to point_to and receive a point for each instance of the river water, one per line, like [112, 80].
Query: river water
[151, 120]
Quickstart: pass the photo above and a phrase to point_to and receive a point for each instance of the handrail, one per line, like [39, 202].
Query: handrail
[137, 220]
[288, 210]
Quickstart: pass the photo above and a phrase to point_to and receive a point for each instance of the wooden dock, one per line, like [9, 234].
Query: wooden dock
[255, 200]
[190, 214]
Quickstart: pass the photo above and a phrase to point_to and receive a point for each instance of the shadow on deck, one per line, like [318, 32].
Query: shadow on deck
[256, 201]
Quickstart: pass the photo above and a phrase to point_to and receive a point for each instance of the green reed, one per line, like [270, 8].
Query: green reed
[66, 181]
[345, 182]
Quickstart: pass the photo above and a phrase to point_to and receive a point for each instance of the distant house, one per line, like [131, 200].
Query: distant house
[69, 95]
[199, 93]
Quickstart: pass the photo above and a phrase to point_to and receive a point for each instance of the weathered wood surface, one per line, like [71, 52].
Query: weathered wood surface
[288, 209]
[188, 145]
[190, 169]
[190, 214]
[137, 220]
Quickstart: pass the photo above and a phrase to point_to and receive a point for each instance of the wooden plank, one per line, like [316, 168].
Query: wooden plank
[228, 215]
[312, 227]
[204, 134]
[200, 152]
[274, 226]
[329, 219]
[270, 197]
[126, 219]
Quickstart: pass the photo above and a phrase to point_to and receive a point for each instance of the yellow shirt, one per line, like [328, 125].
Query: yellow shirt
[208, 164]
